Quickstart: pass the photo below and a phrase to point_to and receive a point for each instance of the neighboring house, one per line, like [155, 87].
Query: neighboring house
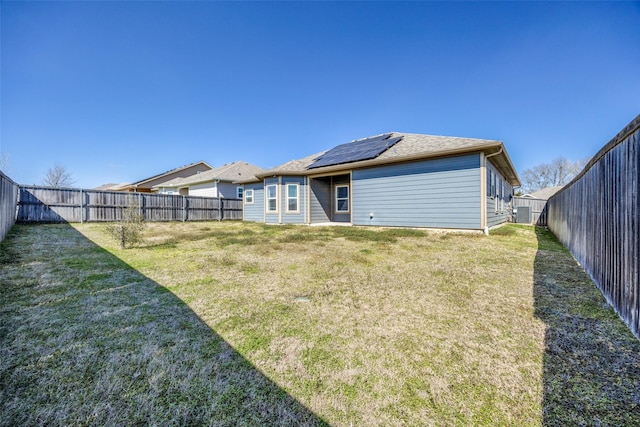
[108, 187]
[146, 185]
[394, 179]
[217, 182]
[544, 194]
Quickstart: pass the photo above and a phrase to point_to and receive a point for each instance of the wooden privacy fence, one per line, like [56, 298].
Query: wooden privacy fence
[45, 204]
[538, 208]
[8, 200]
[597, 217]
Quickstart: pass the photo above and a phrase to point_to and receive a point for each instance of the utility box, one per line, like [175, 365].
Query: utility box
[523, 215]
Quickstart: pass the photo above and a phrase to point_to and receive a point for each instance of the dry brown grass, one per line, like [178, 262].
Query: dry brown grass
[360, 326]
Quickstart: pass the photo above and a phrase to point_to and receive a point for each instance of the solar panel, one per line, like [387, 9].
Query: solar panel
[363, 149]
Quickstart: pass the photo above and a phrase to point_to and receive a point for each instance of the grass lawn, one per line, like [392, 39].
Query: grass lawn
[246, 324]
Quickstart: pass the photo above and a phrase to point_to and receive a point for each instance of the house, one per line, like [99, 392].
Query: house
[146, 185]
[544, 194]
[217, 182]
[393, 179]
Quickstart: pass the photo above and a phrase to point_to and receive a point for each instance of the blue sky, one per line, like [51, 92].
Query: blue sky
[119, 91]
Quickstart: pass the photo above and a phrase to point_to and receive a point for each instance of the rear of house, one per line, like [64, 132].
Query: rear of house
[218, 182]
[394, 179]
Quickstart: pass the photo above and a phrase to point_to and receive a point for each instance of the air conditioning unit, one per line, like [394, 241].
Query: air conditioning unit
[523, 215]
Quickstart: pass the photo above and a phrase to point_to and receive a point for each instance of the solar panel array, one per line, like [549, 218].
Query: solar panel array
[363, 149]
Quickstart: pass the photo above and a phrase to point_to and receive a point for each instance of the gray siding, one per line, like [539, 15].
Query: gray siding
[335, 216]
[438, 193]
[228, 190]
[293, 218]
[320, 200]
[271, 217]
[499, 215]
[255, 211]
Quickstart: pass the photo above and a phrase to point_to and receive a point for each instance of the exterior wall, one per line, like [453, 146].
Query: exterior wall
[335, 216]
[320, 200]
[164, 190]
[437, 193]
[297, 217]
[255, 211]
[208, 189]
[228, 190]
[272, 217]
[499, 199]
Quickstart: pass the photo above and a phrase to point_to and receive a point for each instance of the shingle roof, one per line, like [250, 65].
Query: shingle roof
[169, 172]
[231, 172]
[411, 146]
[545, 193]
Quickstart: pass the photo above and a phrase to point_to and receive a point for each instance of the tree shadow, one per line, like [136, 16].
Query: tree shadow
[87, 340]
[591, 373]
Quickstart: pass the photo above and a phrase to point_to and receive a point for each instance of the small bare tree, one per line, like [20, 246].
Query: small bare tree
[58, 176]
[559, 172]
[128, 231]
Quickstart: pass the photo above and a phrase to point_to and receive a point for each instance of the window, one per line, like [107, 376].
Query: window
[239, 192]
[342, 198]
[292, 198]
[272, 198]
[248, 196]
[501, 196]
[493, 184]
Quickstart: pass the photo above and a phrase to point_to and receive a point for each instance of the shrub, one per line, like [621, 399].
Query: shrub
[128, 232]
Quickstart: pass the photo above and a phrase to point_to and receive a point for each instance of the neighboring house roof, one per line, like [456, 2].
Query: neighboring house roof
[172, 171]
[411, 146]
[106, 187]
[149, 182]
[545, 193]
[232, 172]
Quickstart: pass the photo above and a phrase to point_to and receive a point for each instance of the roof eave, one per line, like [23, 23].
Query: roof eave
[138, 183]
[400, 159]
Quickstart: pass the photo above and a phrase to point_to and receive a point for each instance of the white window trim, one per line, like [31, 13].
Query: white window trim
[348, 198]
[239, 189]
[248, 194]
[266, 199]
[297, 210]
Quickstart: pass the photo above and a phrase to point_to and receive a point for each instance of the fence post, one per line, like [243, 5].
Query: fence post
[81, 207]
[219, 208]
[184, 208]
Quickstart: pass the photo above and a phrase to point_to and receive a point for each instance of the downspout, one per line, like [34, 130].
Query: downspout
[483, 185]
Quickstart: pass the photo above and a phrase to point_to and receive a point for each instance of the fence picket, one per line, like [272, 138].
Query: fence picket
[597, 217]
[45, 204]
[8, 202]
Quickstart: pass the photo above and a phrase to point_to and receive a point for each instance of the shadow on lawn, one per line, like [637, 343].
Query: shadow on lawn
[87, 340]
[591, 371]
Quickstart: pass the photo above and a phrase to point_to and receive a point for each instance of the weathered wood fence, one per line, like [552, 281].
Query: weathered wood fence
[597, 217]
[8, 200]
[45, 204]
[538, 208]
